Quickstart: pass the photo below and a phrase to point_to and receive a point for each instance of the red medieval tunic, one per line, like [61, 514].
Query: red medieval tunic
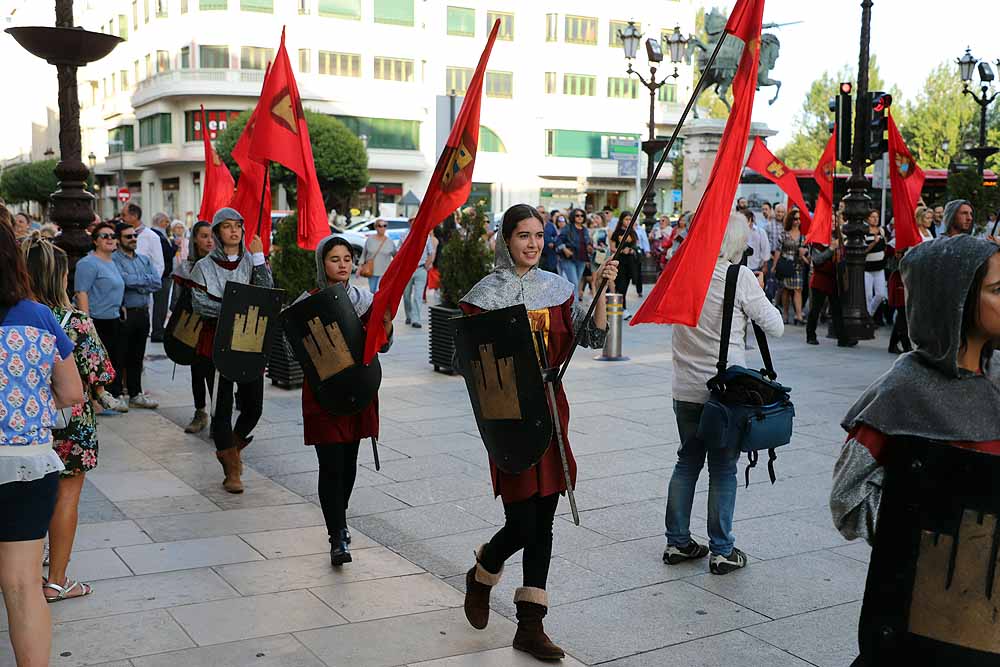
[545, 477]
[824, 276]
[320, 427]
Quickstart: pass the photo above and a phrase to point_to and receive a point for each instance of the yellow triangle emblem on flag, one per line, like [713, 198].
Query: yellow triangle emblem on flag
[284, 113]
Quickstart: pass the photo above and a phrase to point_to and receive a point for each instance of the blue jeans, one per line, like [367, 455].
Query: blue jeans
[572, 270]
[721, 485]
[413, 295]
[373, 283]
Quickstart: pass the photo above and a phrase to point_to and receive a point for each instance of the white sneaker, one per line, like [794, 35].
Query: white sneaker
[143, 401]
[121, 405]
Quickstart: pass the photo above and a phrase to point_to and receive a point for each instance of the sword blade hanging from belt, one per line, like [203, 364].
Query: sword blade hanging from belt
[554, 408]
[375, 453]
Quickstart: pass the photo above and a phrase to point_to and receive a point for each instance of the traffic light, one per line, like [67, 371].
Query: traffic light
[841, 108]
[878, 124]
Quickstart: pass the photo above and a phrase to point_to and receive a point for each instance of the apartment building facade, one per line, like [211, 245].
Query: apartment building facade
[556, 93]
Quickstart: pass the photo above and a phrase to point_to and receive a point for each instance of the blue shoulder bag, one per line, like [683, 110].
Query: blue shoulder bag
[748, 411]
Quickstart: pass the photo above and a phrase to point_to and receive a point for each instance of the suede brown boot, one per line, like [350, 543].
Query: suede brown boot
[478, 583]
[532, 605]
[241, 443]
[230, 460]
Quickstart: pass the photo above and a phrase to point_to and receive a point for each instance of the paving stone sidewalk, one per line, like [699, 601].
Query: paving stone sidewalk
[185, 573]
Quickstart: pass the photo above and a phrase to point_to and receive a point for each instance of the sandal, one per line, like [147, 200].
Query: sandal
[66, 592]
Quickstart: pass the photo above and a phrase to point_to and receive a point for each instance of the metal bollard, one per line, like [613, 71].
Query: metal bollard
[613, 342]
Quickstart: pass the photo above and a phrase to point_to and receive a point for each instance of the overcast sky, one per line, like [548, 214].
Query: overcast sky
[908, 38]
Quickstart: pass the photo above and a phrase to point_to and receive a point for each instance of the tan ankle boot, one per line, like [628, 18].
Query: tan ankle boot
[230, 460]
[198, 422]
[240, 443]
[532, 605]
[478, 583]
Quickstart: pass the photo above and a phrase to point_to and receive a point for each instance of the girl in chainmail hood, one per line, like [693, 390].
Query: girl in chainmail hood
[529, 498]
[947, 389]
[336, 439]
[229, 261]
[200, 243]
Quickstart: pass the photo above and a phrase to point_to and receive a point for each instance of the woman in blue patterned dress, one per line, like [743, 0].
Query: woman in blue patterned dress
[76, 444]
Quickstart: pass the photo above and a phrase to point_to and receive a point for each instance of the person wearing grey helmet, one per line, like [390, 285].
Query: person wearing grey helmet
[229, 261]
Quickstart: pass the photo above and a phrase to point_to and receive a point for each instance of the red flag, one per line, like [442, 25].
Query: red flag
[280, 134]
[763, 161]
[679, 294]
[449, 188]
[218, 181]
[907, 180]
[247, 199]
[822, 226]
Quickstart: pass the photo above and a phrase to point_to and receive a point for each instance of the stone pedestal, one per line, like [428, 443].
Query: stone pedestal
[701, 144]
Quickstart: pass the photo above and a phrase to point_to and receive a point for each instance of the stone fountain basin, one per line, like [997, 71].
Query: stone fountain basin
[64, 46]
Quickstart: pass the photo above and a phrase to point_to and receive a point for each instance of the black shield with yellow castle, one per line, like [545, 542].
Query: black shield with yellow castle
[328, 341]
[933, 591]
[248, 321]
[495, 351]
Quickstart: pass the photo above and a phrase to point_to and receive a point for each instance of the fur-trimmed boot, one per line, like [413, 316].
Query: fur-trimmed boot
[230, 460]
[532, 605]
[478, 583]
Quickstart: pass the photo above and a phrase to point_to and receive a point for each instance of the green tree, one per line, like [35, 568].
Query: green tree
[32, 181]
[811, 125]
[340, 158]
[940, 114]
[294, 268]
[465, 256]
[966, 184]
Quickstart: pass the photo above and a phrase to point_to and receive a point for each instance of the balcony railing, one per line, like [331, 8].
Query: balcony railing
[199, 81]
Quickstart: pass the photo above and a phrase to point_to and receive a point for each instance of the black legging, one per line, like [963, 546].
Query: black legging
[816, 307]
[202, 377]
[251, 407]
[626, 273]
[338, 468]
[109, 331]
[529, 527]
[900, 331]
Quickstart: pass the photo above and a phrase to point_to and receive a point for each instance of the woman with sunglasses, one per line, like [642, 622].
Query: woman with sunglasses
[99, 290]
[574, 246]
[379, 250]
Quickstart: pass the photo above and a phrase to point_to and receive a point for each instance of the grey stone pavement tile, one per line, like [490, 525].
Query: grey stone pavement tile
[97, 640]
[300, 542]
[145, 508]
[393, 596]
[255, 616]
[715, 651]
[155, 502]
[284, 574]
[826, 637]
[148, 592]
[109, 534]
[644, 619]
[792, 585]
[187, 554]
[415, 638]
[277, 651]
[500, 657]
[231, 522]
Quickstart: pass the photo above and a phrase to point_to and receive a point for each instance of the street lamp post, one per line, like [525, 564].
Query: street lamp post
[120, 143]
[68, 48]
[857, 203]
[92, 161]
[966, 64]
[630, 38]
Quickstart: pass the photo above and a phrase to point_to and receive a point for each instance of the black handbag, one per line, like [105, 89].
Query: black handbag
[748, 410]
[785, 268]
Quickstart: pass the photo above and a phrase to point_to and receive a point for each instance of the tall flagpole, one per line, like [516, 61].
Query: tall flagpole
[650, 186]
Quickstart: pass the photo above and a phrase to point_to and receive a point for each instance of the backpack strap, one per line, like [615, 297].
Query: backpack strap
[728, 303]
[765, 351]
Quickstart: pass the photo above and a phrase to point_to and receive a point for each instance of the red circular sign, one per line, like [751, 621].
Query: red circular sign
[124, 195]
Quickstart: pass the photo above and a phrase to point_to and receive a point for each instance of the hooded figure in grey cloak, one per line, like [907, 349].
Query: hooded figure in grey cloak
[212, 273]
[536, 289]
[950, 209]
[361, 299]
[926, 394]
